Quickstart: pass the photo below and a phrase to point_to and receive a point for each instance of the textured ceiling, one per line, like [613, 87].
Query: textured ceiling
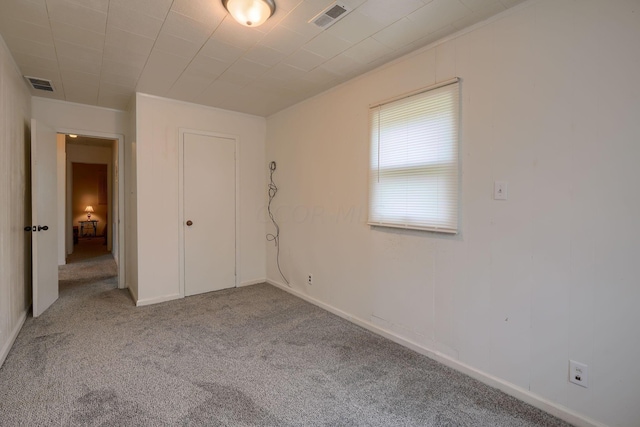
[99, 52]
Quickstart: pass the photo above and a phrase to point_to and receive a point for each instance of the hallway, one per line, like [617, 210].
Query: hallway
[88, 248]
[89, 263]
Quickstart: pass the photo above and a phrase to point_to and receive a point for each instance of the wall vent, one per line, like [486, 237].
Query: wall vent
[40, 84]
[330, 15]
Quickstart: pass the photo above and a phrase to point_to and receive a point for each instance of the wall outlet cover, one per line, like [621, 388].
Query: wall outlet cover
[578, 373]
[500, 190]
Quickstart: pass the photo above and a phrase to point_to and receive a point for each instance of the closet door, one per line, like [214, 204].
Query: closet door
[209, 213]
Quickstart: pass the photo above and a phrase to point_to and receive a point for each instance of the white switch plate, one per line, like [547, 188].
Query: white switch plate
[500, 190]
[578, 373]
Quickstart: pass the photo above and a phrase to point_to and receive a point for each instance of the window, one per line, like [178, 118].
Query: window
[414, 161]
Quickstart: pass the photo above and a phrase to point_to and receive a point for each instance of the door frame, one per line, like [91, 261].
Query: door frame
[117, 175]
[236, 139]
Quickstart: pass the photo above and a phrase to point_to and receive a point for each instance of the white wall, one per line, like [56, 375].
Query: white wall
[68, 117]
[15, 202]
[131, 202]
[158, 121]
[550, 103]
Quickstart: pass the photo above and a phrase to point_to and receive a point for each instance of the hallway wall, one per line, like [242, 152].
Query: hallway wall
[15, 203]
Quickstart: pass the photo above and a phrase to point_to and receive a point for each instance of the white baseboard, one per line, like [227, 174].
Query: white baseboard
[164, 298]
[12, 338]
[526, 396]
[252, 282]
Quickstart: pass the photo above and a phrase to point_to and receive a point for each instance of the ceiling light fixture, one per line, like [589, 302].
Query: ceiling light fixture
[250, 13]
[72, 135]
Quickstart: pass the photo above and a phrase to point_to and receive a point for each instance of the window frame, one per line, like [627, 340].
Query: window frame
[445, 166]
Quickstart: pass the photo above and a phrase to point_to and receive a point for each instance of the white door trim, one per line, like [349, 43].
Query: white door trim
[236, 139]
[118, 173]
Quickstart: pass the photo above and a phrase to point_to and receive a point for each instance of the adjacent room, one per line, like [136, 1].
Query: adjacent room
[368, 212]
[88, 205]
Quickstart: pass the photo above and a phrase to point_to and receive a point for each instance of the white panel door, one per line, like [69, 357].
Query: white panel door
[44, 217]
[209, 213]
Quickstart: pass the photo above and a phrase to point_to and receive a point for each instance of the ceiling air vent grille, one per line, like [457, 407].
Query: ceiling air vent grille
[330, 15]
[40, 84]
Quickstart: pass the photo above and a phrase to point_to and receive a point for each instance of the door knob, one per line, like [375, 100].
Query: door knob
[44, 227]
[189, 223]
[30, 228]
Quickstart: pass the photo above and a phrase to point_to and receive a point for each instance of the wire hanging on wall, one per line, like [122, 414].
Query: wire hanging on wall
[275, 238]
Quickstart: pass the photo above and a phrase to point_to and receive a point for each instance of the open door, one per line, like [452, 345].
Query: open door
[44, 217]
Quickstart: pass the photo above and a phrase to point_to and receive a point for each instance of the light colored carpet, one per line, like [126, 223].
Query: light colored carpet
[253, 356]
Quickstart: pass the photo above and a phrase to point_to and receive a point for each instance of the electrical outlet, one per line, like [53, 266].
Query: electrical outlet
[578, 373]
[500, 190]
[310, 279]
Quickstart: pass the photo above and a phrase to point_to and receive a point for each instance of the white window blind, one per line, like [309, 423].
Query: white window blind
[414, 161]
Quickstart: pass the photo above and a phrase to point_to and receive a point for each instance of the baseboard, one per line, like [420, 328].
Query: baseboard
[164, 298]
[519, 393]
[252, 282]
[12, 338]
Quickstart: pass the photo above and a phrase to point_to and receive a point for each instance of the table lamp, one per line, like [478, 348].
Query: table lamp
[89, 211]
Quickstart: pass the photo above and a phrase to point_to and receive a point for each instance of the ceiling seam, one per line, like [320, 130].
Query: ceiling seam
[196, 54]
[104, 44]
[55, 49]
[246, 50]
[153, 46]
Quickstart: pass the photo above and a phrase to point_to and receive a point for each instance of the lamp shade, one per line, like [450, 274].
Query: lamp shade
[250, 13]
[89, 209]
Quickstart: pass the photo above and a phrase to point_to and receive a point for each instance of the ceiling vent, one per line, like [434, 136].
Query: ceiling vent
[40, 84]
[330, 15]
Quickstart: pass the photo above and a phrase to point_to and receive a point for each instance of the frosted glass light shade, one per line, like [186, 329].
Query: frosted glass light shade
[250, 13]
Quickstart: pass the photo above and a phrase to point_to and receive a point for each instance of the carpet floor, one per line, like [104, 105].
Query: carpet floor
[253, 356]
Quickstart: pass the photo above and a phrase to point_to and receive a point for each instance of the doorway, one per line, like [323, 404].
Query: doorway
[52, 227]
[90, 207]
[88, 197]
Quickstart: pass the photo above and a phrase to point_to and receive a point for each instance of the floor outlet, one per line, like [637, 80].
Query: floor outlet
[578, 373]
[310, 279]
